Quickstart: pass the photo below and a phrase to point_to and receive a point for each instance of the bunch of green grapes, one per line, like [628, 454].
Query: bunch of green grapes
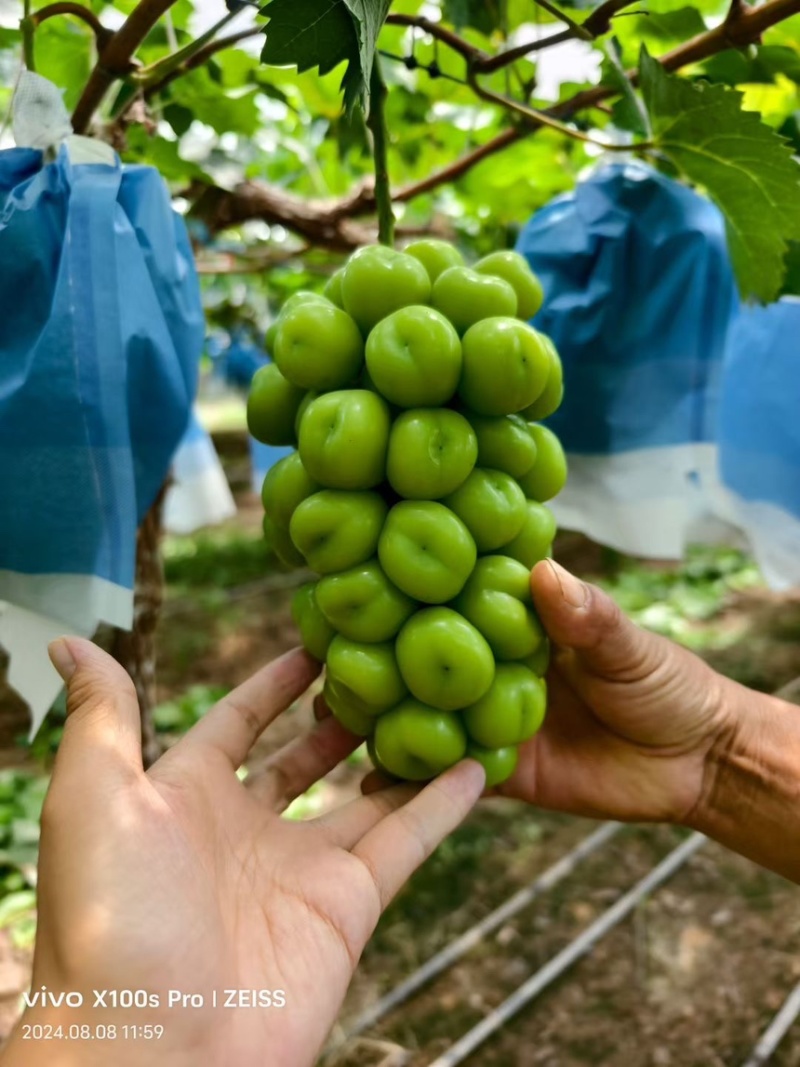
[413, 391]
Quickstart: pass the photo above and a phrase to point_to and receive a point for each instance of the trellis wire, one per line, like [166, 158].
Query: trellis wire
[777, 1030]
[272, 583]
[575, 950]
[462, 944]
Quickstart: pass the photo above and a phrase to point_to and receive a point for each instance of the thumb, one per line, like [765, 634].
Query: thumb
[103, 718]
[582, 617]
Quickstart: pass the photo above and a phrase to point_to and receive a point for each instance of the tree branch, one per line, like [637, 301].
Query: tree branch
[85, 14]
[116, 58]
[576, 29]
[455, 170]
[441, 33]
[511, 55]
[326, 223]
[330, 223]
[160, 69]
[598, 23]
[200, 57]
[230, 263]
[544, 118]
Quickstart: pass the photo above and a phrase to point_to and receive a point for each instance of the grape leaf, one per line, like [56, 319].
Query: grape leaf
[482, 15]
[313, 33]
[64, 55]
[791, 284]
[369, 16]
[790, 129]
[323, 34]
[669, 26]
[628, 113]
[757, 65]
[743, 166]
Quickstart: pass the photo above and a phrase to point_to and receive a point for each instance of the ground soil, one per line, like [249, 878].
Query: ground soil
[690, 980]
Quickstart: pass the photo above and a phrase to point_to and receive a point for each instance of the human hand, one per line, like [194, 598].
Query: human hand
[632, 717]
[184, 878]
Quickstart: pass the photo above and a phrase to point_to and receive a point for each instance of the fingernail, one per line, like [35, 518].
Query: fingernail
[573, 590]
[61, 658]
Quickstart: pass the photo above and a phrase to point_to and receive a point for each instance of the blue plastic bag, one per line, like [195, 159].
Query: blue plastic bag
[680, 410]
[759, 435]
[199, 494]
[100, 340]
[236, 361]
[639, 295]
[243, 358]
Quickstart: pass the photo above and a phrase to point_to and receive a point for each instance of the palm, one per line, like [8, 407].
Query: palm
[186, 879]
[630, 717]
[291, 905]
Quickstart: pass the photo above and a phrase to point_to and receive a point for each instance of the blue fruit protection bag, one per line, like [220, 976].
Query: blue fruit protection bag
[663, 426]
[100, 338]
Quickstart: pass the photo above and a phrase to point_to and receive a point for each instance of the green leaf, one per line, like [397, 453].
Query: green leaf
[179, 117]
[369, 16]
[790, 129]
[162, 154]
[772, 60]
[325, 33]
[270, 90]
[743, 165]
[314, 33]
[668, 26]
[224, 111]
[737, 67]
[791, 283]
[9, 37]
[16, 905]
[482, 15]
[628, 113]
[64, 55]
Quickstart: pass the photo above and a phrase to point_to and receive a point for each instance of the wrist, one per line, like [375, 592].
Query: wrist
[750, 799]
[730, 719]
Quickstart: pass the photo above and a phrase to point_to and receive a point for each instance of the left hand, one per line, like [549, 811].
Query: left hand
[185, 878]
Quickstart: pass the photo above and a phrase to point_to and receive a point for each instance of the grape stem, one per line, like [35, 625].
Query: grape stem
[377, 125]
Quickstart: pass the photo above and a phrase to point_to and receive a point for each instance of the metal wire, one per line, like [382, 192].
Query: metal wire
[575, 950]
[470, 938]
[776, 1031]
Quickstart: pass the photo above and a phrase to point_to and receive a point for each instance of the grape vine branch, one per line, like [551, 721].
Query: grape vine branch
[332, 223]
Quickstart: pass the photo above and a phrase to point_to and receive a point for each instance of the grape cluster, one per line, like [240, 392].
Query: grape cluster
[412, 390]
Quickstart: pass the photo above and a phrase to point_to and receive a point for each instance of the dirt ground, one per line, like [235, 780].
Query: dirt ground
[690, 979]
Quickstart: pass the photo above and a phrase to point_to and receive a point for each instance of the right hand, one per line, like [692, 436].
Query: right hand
[632, 717]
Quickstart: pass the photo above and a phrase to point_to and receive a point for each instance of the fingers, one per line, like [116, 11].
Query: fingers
[373, 781]
[347, 825]
[403, 840]
[103, 719]
[584, 618]
[320, 708]
[234, 724]
[302, 762]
